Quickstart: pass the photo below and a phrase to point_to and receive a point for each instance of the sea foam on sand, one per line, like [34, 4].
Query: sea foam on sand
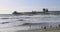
[13, 29]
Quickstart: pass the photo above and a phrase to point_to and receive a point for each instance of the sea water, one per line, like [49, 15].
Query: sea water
[12, 23]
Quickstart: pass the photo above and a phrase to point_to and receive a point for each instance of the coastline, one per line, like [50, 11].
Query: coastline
[48, 30]
[26, 29]
[42, 30]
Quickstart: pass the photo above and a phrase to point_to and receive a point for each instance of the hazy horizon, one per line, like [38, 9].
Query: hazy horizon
[8, 6]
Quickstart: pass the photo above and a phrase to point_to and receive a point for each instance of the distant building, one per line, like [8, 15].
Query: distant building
[44, 12]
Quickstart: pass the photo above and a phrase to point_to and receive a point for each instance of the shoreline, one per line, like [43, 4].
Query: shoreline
[42, 30]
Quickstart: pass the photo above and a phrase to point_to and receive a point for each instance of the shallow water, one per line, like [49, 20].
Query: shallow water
[8, 20]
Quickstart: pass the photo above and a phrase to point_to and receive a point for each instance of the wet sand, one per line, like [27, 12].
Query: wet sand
[43, 30]
[15, 29]
[47, 30]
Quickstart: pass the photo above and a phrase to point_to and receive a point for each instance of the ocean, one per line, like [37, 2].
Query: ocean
[14, 23]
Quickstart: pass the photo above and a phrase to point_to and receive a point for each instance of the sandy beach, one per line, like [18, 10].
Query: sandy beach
[43, 30]
[47, 30]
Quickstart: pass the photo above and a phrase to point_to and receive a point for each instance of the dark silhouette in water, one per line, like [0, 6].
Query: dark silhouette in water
[45, 27]
[27, 24]
[34, 23]
[58, 25]
[5, 22]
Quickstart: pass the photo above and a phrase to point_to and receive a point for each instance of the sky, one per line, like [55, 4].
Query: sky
[9, 6]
